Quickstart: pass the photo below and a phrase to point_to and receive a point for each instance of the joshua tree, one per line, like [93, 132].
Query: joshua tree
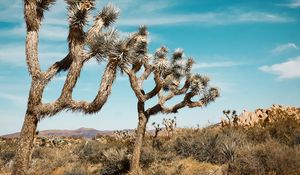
[170, 125]
[232, 118]
[96, 42]
[168, 75]
[157, 129]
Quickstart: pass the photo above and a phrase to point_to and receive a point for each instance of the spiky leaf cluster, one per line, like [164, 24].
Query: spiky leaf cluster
[132, 50]
[109, 14]
[160, 62]
[179, 68]
[137, 45]
[210, 95]
[43, 5]
[78, 11]
[104, 43]
[198, 83]
[172, 70]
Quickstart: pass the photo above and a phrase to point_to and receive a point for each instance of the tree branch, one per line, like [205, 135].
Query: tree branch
[146, 73]
[109, 75]
[134, 82]
[32, 37]
[158, 86]
[62, 65]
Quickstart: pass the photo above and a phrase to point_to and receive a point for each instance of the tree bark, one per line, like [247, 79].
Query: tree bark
[25, 145]
[141, 129]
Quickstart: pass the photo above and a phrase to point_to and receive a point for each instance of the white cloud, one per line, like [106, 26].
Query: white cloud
[283, 48]
[292, 4]
[215, 64]
[286, 70]
[222, 18]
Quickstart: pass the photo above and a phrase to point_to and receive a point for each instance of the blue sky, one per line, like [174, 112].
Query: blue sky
[250, 49]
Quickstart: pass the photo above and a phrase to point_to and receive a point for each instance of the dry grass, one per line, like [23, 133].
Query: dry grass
[273, 149]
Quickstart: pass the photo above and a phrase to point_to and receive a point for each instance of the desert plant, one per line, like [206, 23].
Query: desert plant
[97, 42]
[76, 171]
[269, 157]
[90, 151]
[170, 125]
[6, 156]
[116, 161]
[232, 118]
[168, 73]
[157, 129]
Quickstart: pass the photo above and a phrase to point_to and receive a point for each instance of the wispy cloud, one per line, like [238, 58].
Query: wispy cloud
[48, 32]
[15, 55]
[283, 48]
[120, 79]
[292, 4]
[18, 31]
[11, 11]
[211, 18]
[286, 70]
[153, 6]
[215, 64]
[62, 78]
[154, 13]
[16, 99]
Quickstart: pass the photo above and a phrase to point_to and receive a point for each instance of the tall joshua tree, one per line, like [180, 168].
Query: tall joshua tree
[172, 77]
[96, 42]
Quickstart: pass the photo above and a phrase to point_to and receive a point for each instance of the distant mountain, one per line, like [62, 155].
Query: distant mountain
[81, 132]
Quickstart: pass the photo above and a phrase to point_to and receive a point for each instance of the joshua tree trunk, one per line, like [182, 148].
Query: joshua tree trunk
[140, 133]
[25, 144]
[23, 152]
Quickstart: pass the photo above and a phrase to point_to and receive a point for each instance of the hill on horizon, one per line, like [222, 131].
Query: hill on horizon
[80, 132]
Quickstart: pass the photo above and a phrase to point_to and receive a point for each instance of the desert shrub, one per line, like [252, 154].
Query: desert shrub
[46, 160]
[6, 156]
[90, 151]
[7, 150]
[269, 157]
[231, 139]
[148, 156]
[257, 134]
[284, 130]
[203, 146]
[183, 166]
[40, 153]
[164, 168]
[151, 154]
[115, 161]
[77, 170]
